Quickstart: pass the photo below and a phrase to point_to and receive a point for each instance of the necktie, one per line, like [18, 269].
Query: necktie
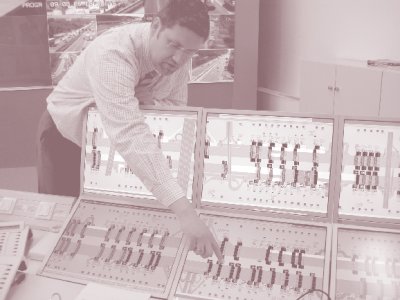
[149, 80]
[144, 89]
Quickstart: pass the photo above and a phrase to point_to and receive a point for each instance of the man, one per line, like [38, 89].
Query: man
[146, 63]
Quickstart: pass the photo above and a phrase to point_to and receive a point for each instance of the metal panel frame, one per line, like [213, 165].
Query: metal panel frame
[127, 202]
[276, 219]
[354, 219]
[143, 199]
[299, 215]
[334, 246]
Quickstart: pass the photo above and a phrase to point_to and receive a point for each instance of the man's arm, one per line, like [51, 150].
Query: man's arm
[112, 78]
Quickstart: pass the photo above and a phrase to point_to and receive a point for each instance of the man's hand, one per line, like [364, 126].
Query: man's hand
[202, 241]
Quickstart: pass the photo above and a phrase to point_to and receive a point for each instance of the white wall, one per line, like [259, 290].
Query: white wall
[294, 30]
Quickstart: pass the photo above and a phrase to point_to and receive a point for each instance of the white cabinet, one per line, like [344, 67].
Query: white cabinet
[347, 88]
[390, 97]
[317, 87]
[357, 91]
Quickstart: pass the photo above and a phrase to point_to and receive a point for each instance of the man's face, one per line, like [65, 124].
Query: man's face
[170, 48]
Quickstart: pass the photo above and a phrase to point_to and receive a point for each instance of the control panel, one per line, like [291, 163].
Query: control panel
[367, 264]
[243, 162]
[118, 244]
[268, 161]
[106, 172]
[39, 211]
[262, 260]
[370, 174]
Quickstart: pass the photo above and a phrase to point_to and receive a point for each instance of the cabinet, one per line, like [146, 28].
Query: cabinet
[317, 87]
[347, 88]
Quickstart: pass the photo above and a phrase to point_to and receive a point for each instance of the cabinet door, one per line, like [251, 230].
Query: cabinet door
[390, 99]
[357, 91]
[316, 89]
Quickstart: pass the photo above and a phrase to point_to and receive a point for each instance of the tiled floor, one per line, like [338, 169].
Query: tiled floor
[19, 179]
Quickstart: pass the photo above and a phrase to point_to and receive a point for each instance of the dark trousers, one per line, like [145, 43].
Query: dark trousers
[58, 160]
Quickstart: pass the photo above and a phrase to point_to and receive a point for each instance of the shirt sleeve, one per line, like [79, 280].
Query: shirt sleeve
[113, 78]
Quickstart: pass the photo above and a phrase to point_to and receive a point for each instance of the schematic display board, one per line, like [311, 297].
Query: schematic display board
[262, 260]
[118, 244]
[367, 265]
[370, 175]
[268, 161]
[105, 170]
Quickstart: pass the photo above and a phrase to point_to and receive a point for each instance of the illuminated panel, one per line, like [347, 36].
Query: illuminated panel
[367, 265]
[117, 244]
[262, 260]
[269, 162]
[105, 171]
[370, 178]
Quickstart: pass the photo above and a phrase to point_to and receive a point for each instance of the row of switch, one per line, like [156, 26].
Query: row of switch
[127, 255]
[366, 180]
[292, 177]
[367, 160]
[124, 234]
[296, 257]
[371, 266]
[366, 289]
[257, 275]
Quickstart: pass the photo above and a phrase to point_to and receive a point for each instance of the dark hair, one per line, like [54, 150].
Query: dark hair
[192, 14]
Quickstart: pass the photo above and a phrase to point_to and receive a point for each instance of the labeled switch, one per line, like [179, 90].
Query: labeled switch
[45, 210]
[7, 205]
